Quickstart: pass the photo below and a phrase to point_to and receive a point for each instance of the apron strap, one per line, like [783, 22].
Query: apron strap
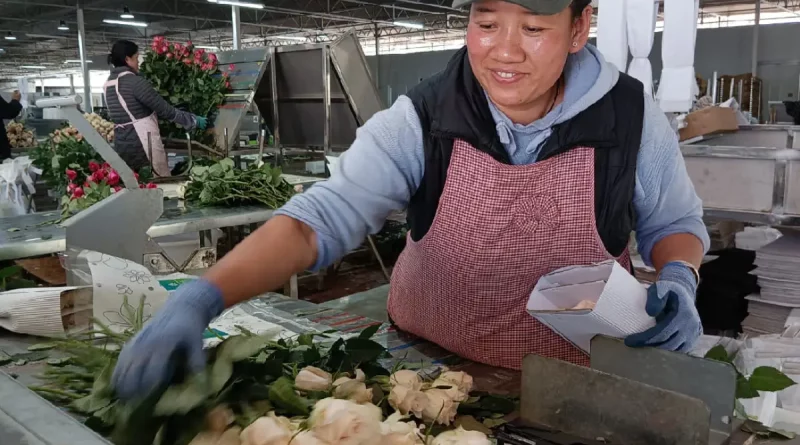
[115, 84]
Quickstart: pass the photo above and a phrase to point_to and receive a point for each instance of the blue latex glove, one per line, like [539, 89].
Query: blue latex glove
[671, 302]
[146, 362]
[202, 122]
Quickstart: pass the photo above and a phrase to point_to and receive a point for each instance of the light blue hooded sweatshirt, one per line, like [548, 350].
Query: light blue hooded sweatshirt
[385, 165]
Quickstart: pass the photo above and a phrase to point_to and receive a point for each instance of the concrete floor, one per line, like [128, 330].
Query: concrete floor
[370, 304]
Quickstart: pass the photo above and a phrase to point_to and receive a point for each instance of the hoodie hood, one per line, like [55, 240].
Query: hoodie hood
[587, 78]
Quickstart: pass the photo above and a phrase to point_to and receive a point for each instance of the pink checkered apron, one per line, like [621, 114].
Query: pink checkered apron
[497, 230]
[142, 127]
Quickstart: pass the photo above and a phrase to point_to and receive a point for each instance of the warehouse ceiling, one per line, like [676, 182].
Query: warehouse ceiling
[39, 42]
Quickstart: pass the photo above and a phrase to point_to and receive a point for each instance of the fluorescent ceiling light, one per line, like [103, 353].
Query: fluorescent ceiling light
[413, 25]
[46, 36]
[126, 13]
[238, 3]
[295, 38]
[76, 61]
[125, 22]
[63, 26]
[33, 67]
[210, 48]
[10, 36]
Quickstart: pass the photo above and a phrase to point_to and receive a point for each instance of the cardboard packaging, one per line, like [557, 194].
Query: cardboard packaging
[711, 120]
[618, 301]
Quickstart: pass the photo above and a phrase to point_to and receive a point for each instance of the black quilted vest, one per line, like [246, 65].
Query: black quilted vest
[452, 105]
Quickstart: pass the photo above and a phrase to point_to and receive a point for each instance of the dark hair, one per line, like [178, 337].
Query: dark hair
[578, 6]
[120, 51]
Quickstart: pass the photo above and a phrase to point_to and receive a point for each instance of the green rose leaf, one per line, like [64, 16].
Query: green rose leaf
[766, 378]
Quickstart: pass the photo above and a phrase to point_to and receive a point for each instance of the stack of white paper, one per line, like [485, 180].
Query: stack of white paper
[778, 270]
[580, 302]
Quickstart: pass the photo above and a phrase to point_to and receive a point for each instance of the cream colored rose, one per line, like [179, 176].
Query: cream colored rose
[266, 431]
[306, 438]
[231, 437]
[396, 431]
[441, 408]
[451, 389]
[407, 378]
[407, 400]
[462, 380]
[219, 418]
[343, 422]
[312, 379]
[360, 377]
[353, 390]
[460, 436]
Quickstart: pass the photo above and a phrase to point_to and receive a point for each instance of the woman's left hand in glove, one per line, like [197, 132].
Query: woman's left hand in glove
[202, 122]
[671, 300]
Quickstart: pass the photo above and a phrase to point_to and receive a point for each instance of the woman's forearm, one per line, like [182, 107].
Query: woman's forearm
[678, 247]
[265, 260]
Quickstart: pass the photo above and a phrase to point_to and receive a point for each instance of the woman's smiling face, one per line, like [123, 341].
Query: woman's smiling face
[518, 56]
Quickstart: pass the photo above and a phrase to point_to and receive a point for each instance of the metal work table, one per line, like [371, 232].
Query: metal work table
[29, 235]
[300, 316]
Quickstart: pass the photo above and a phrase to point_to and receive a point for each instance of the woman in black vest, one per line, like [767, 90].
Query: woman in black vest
[528, 153]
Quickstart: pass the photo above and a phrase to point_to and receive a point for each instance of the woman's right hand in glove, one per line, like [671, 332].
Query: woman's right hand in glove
[148, 362]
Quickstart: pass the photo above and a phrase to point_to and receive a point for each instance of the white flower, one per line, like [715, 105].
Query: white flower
[440, 408]
[460, 436]
[353, 390]
[461, 379]
[451, 389]
[343, 422]
[408, 400]
[360, 377]
[406, 378]
[266, 431]
[298, 188]
[395, 431]
[312, 379]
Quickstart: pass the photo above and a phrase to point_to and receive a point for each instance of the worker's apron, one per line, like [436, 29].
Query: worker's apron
[144, 126]
[497, 230]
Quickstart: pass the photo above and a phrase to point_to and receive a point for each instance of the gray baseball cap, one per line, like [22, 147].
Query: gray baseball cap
[541, 7]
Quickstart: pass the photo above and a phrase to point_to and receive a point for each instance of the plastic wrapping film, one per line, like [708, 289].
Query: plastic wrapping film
[612, 36]
[678, 85]
[641, 28]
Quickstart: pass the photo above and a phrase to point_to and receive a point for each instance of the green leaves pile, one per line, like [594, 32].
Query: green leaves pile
[11, 279]
[222, 184]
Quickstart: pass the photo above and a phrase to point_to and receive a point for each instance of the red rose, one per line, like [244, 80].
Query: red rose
[227, 85]
[93, 166]
[117, 188]
[169, 56]
[232, 67]
[98, 176]
[212, 58]
[152, 186]
[71, 187]
[71, 174]
[77, 193]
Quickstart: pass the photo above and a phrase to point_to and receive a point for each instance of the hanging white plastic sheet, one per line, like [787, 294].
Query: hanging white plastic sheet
[678, 84]
[612, 39]
[641, 26]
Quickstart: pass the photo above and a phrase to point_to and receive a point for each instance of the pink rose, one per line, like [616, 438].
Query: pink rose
[227, 85]
[117, 188]
[232, 67]
[189, 43]
[71, 187]
[77, 193]
[113, 178]
[71, 174]
[93, 166]
[188, 62]
[212, 58]
[152, 186]
[169, 56]
[198, 62]
[98, 176]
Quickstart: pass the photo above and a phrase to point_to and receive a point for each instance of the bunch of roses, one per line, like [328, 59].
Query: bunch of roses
[101, 175]
[185, 53]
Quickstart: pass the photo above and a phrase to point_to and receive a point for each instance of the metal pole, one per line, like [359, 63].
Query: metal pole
[326, 82]
[377, 58]
[236, 21]
[87, 83]
[756, 26]
[72, 84]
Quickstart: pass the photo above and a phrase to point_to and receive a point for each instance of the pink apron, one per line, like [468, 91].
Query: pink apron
[497, 230]
[144, 126]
